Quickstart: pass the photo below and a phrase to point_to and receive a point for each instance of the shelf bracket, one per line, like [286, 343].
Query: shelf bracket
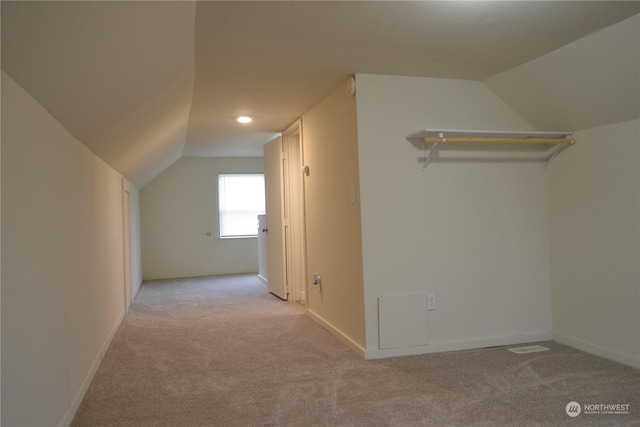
[434, 150]
[548, 158]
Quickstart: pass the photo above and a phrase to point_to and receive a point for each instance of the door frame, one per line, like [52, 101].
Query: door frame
[126, 237]
[294, 211]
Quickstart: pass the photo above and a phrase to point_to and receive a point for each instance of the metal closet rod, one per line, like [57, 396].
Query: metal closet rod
[560, 145]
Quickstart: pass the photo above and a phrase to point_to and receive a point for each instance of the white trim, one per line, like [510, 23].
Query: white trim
[338, 334]
[194, 275]
[127, 256]
[293, 127]
[598, 350]
[294, 210]
[263, 280]
[75, 404]
[459, 345]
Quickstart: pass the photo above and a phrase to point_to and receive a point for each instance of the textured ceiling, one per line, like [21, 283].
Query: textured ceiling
[143, 83]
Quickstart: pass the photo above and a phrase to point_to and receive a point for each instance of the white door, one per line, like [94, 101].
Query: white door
[273, 176]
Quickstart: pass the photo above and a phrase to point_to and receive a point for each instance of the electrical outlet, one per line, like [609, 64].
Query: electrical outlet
[431, 302]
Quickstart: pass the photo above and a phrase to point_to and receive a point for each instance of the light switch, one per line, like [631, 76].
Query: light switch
[317, 282]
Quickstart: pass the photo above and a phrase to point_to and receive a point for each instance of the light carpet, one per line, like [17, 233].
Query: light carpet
[221, 351]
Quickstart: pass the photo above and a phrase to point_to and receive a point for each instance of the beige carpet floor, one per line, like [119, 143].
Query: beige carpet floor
[221, 351]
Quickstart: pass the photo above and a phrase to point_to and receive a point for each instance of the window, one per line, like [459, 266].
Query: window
[240, 201]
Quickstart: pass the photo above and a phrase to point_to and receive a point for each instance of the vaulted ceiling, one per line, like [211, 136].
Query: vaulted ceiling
[144, 83]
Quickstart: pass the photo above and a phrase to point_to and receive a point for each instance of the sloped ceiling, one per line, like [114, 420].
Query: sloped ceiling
[117, 75]
[143, 83]
[591, 82]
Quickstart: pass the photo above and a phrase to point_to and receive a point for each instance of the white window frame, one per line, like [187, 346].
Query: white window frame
[220, 205]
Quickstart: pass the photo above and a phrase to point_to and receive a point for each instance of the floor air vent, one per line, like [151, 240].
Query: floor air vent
[529, 349]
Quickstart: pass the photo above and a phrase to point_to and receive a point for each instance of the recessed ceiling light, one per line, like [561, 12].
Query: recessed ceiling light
[244, 119]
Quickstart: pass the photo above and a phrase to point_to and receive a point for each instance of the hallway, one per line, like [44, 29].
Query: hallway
[212, 351]
[221, 351]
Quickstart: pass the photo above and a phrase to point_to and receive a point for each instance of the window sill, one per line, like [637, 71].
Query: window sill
[237, 237]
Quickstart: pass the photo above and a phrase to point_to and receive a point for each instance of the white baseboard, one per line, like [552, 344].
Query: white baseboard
[263, 280]
[193, 275]
[439, 347]
[75, 404]
[598, 350]
[338, 334]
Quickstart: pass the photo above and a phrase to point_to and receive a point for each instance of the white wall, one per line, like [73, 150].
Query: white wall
[595, 242]
[591, 86]
[475, 232]
[62, 257]
[178, 208]
[333, 239]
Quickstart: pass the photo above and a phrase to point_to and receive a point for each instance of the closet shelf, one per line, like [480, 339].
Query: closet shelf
[438, 137]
